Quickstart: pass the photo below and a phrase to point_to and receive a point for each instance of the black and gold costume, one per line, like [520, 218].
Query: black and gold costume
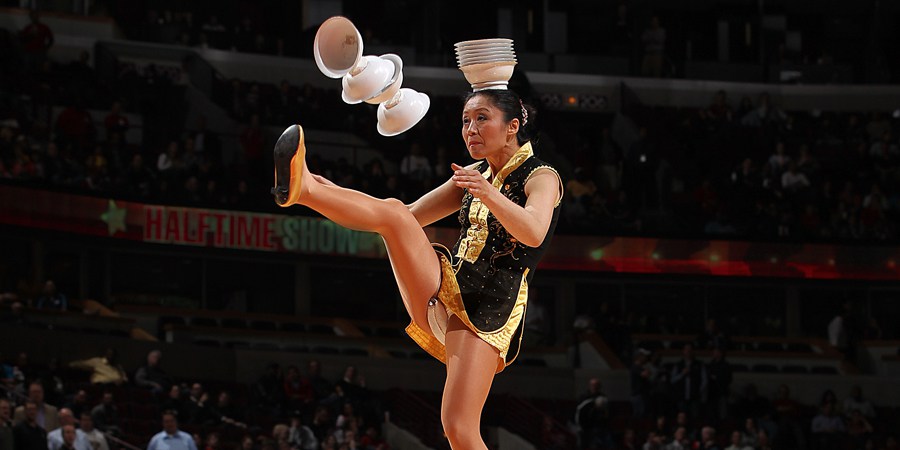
[485, 277]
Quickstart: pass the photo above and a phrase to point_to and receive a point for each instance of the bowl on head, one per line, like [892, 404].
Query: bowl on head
[489, 74]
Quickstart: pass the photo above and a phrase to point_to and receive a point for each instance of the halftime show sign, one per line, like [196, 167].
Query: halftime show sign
[254, 231]
[250, 231]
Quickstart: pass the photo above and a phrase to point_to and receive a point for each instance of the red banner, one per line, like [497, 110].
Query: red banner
[241, 230]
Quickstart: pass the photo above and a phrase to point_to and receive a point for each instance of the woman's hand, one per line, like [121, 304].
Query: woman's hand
[472, 180]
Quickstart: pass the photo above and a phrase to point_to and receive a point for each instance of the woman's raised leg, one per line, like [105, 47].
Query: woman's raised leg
[471, 365]
[416, 266]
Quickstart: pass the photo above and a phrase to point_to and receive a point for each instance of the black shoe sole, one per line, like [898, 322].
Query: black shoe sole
[290, 154]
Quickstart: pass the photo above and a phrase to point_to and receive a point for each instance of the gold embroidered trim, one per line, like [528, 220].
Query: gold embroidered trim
[471, 246]
[558, 178]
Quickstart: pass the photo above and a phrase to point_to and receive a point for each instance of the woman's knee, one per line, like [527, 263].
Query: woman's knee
[397, 215]
[459, 428]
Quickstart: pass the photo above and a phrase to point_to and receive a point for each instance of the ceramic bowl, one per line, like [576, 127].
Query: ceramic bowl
[402, 112]
[369, 78]
[338, 47]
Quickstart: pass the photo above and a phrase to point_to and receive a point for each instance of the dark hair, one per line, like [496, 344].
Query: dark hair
[511, 104]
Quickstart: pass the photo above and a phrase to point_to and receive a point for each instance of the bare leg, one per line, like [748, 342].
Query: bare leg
[471, 365]
[416, 266]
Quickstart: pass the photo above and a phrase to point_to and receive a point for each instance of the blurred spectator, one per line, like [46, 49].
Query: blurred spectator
[353, 385]
[252, 145]
[115, 121]
[580, 192]
[662, 428]
[226, 412]
[415, 165]
[610, 155]
[837, 333]
[654, 442]
[690, 381]
[297, 390]
[104, 369]
[207, 143]
[300, 436]
[76, 126]
[751, 404]
[750, 433]
[654, 40]
[197, 409]
[96, 438]
[856, 402]
[175, 403]
[151, 375]
[6, 430]
[858, 428]
[37, 38]
[719, 373]
[536, 330]
[712, 337]
[13, 319]
[827, 428]
[56, 439]
[737, 442]
[28, 434]
[680, 440]
[592, 417]
[171, 438]
[52, 298]
[106, 414]
[707, 439]
[640, 383]
[69, 439]
[269, 388]
[46, 416]
[764, 114]
[763, 441]
[792, 180]
[788, 415]
[215, 32]
[321, 423]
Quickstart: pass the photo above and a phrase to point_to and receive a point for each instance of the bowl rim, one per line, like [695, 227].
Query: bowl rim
[318, 57]
[479, 41]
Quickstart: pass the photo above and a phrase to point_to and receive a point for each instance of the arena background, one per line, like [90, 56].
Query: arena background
[732, 184]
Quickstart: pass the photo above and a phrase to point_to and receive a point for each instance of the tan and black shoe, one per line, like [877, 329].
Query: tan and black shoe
[290, 155]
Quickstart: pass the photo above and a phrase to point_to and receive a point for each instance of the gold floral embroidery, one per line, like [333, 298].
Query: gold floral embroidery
[471, 246]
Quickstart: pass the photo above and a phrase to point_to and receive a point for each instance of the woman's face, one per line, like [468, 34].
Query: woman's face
[484, 129]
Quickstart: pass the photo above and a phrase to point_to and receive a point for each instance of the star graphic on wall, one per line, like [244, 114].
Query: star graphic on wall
[114, 218]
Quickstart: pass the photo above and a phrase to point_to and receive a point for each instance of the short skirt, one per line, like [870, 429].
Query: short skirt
[448, 302]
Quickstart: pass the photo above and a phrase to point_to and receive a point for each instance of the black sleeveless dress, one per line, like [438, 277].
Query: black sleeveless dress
[486, 274]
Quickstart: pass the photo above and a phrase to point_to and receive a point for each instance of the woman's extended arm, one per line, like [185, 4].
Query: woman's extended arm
[438, 203]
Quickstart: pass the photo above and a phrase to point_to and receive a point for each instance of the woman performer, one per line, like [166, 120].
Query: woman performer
[467, 306]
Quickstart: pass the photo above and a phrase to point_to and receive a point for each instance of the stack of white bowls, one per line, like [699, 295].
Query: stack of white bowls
[486, 63]
[372, 79]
